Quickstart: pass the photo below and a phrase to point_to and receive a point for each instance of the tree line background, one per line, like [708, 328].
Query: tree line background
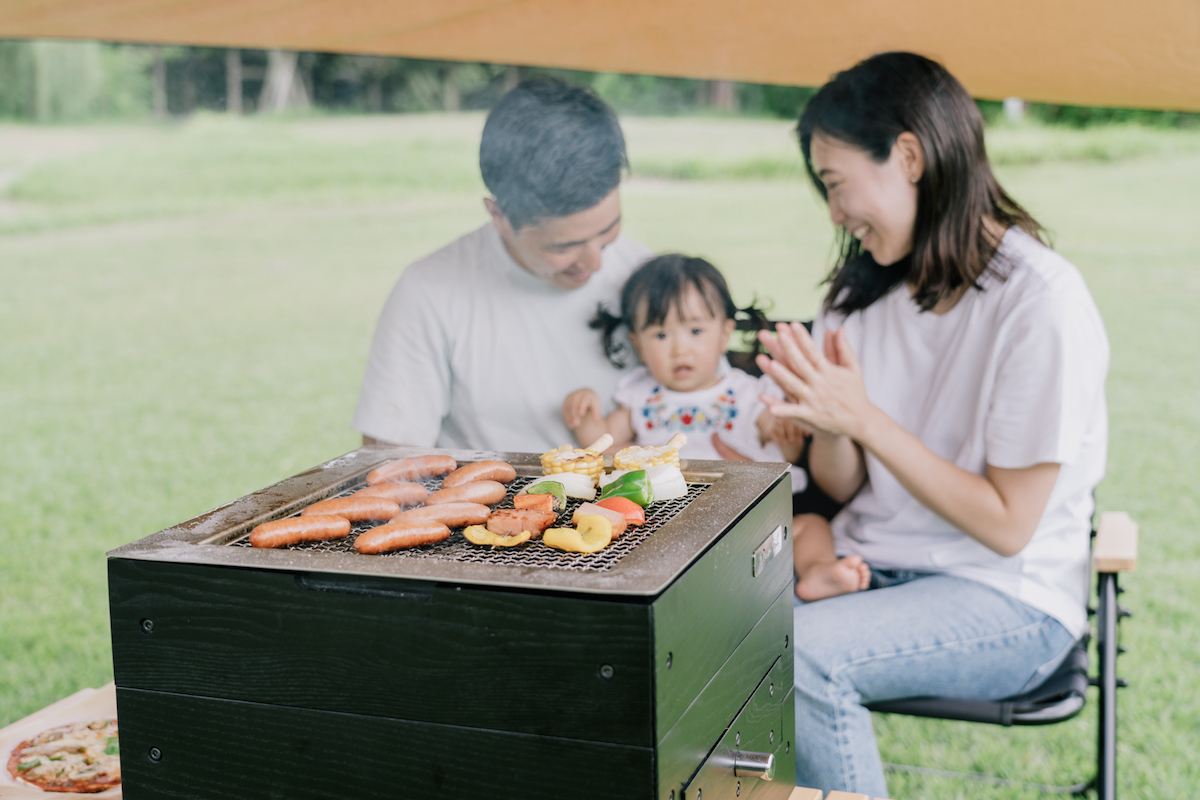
[56, 81]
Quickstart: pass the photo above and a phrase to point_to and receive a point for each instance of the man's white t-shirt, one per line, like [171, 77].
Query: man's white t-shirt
[474, 352]
[1012, 376]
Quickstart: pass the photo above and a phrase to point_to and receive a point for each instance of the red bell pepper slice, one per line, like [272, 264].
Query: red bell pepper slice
[634, 514]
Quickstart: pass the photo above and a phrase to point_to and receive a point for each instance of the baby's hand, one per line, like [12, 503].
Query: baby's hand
[780, 430]
[788, 431]
[581, 405]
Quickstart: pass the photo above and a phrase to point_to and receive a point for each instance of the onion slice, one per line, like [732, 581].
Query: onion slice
[667, 482]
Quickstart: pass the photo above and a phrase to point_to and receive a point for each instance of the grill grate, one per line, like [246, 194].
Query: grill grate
[533, 554]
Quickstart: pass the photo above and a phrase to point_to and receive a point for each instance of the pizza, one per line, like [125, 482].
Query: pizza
[82, 757]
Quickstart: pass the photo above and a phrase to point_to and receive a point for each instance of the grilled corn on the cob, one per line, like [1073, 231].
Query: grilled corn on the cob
[566, 459]
[636, 457]
[641, 457]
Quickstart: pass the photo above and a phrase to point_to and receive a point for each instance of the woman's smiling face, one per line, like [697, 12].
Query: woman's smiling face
[875, 202]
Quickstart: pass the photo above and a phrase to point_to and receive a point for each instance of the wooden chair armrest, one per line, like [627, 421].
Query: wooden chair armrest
[800, 793]
[1115, 548]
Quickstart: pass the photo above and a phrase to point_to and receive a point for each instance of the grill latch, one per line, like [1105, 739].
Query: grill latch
[747, 764]
[766, 551]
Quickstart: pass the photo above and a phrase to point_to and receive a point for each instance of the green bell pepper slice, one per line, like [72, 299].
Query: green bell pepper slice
[634, 486]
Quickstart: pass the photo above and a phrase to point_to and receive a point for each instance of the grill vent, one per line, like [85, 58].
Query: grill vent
[533, 554]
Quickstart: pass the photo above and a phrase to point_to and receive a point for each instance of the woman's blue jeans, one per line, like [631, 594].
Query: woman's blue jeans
[922, 635]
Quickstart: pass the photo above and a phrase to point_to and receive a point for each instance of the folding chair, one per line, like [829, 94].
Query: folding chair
[1064, 693]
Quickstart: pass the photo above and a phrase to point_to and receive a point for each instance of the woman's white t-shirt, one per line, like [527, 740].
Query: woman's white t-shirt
[1012, 376]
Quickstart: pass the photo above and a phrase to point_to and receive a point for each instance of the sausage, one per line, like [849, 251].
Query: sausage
[487, 493]
[355, 509]
[511, 521]
[403, 493]
[456, 515]
[399, 535]
[416, 468]
[299, 529]
[480, 471]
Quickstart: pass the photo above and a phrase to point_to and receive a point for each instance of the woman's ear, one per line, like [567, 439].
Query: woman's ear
[911, 154]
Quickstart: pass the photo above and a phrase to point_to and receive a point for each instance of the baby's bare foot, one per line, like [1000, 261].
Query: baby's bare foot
[831, 578]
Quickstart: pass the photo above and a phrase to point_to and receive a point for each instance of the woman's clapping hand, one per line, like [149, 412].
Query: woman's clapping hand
[825, 391]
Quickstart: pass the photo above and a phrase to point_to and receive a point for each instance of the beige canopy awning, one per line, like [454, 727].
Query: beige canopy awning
[1086, 52]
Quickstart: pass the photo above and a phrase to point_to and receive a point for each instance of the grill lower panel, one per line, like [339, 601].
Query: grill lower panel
[234, 750]
[533, 554]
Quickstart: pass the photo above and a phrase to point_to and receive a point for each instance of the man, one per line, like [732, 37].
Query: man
[480, 342]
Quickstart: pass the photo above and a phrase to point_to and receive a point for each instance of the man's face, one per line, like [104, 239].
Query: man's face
[564, 251]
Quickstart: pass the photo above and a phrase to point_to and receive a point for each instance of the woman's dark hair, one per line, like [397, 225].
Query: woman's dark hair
[868, 106]
[658, 286]
[549, 150]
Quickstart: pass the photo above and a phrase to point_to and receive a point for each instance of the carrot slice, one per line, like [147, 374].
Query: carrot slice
[540, 502]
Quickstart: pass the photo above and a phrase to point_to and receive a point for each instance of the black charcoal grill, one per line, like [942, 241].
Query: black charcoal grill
[657, 668]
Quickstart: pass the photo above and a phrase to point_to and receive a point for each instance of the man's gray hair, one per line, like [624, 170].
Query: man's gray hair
[549, 150]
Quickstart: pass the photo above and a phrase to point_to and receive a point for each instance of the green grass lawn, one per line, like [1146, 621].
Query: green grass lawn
[186, 311]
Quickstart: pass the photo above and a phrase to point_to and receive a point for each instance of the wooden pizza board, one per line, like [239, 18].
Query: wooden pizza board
[83, 706]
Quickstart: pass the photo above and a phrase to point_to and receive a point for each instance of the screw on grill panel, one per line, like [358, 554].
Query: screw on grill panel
[147, 626]
[771, 690]
[670, 659]
[699, 793]
[606, 672]
[672, 795]
[785, 643]
[738, 791]
[788, 747]
[155, 754]
[737, 738]
[771, 737]
[534, 554]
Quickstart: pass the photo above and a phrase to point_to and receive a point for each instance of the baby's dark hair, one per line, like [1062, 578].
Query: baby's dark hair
[658, 286]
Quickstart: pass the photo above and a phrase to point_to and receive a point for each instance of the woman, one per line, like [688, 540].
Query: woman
[954, 382]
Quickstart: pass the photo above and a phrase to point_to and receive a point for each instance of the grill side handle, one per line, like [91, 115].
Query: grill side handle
[411, 591]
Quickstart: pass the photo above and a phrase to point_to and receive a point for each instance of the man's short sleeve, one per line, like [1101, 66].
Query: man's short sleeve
[406, 388]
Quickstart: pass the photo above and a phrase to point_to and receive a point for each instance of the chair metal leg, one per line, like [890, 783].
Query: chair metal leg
[1106, 647]
[1108, 613]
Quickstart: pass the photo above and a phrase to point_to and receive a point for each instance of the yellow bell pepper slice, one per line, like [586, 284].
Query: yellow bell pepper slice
[593, 535]
[478, 534]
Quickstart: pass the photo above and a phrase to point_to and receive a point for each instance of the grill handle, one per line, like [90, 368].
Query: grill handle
[412, 591]
[748, 764]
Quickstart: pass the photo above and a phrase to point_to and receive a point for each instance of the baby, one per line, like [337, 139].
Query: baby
[680, 317]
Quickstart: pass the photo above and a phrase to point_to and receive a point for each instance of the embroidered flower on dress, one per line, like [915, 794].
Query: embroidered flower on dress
[718, 415]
